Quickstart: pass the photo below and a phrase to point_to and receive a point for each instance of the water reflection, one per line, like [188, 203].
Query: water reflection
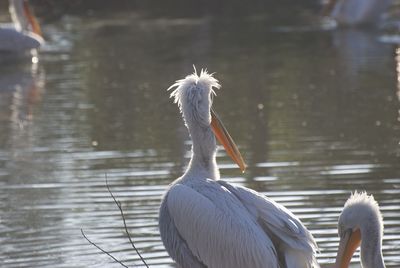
[315, 115]
[21, 90]
[361, 50]
[397, 58]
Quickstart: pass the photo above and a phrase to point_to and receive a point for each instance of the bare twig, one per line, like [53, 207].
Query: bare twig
[123, 219]
[102, 250]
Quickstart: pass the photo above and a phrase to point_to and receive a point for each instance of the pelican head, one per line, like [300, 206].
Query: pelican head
[194, 95]
[360, 223]
[23, 17]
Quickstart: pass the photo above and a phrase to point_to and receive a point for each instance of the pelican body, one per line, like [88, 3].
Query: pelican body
[208, 222]
[356, 12]
[360, 224]
[24, 34]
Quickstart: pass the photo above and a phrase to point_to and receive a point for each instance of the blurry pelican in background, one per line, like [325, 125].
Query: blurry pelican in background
[24, 34]
[208, 222]
[356, 12]
[360, 223]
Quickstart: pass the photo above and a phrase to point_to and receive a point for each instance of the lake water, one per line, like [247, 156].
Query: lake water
[315, 112]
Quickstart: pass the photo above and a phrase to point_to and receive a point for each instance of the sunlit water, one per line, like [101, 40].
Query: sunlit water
[315, 112]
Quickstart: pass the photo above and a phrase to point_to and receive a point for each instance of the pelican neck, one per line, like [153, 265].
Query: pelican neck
[371, 247]
[203, 161]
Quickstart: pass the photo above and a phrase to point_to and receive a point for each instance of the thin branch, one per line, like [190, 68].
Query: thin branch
[123, 219]
[102, 250]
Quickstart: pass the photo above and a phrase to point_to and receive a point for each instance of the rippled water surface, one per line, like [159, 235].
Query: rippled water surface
[315, 113]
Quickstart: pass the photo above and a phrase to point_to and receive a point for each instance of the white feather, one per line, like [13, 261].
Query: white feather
[291, 238]
[217, 228]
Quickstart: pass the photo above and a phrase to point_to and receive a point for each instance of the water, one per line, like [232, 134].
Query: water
[315, 113]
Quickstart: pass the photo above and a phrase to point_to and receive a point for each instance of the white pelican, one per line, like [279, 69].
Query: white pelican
[24, 34]
[207, 222]
[356, 12]
[360, 223]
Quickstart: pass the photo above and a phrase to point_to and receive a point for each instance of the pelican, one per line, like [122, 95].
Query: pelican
[360, 223]
[24, 34]
[356, 12]
[208, 222]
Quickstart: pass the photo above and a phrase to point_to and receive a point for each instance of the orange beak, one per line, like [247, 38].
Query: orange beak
[32, 19]
[226, 140]
[347, 246]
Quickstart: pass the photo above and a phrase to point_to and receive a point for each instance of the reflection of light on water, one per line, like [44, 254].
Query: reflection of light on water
[277, 164]
[35, 60]
[389, 38]
[397, 58]
[26, 95]
[398, 69]
[349, 169]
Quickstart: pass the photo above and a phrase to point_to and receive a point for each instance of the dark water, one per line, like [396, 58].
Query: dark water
[315, 112]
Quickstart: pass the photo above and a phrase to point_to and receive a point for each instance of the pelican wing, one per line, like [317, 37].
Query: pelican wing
[175, 245]
[217, 229]
[15, 41]
[293, 241]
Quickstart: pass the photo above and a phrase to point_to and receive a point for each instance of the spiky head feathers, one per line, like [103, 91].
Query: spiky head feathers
[194, 96]
[360, 209]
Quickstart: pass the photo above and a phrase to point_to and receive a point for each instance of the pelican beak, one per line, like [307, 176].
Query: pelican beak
[226, 140]
[32, 19]
[350, 241]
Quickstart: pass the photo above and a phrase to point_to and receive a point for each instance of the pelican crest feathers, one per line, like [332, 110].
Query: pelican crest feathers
[367, 202]
[194, 96]
[361, 208]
